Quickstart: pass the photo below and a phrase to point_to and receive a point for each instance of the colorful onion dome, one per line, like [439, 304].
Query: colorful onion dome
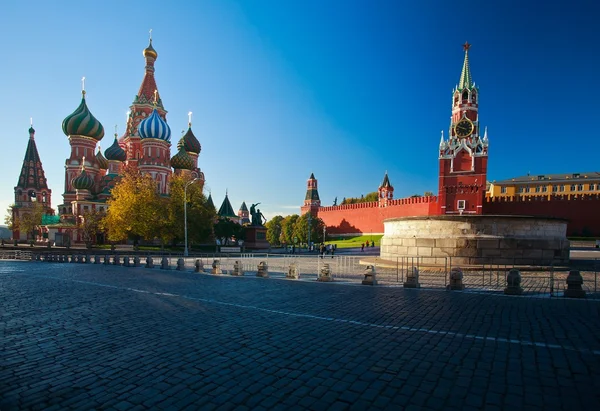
[182, 160]
[102, 161]
[150, 52]
[82, 123]
[180, 144]
[115, 152]
[154, 127]
[83, 181]
[191, 143]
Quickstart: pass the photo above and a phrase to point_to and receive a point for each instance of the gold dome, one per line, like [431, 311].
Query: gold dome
[150, 52]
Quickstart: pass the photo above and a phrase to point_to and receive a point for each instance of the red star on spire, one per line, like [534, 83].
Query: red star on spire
[466, 46]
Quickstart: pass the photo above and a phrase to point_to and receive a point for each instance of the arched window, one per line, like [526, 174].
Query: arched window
[474, 97]
[465, 95]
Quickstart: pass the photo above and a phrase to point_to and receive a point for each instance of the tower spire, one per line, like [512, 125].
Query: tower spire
[466, 81]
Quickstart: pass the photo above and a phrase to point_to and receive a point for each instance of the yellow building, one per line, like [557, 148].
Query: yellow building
[546, 184]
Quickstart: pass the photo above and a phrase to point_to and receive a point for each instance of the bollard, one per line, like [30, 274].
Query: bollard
[38, 257]
[574, 285]
[238, 269]
[80, 258]
[325, 274]
[106, 259]
[116, 260]
[412, 278]
[126, 261]
[73, 258]
[513, 282]
[370, 276]
[198, 266]
[164, 264]
[136, 261]
[263, 270]
[216, 267]
[293, 272]
[88, 259]
[456, 279]
[96, 258]
[149, 262]
[180, 264]
[33, 257]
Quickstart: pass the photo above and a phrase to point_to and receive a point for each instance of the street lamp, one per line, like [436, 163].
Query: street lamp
[324, 238]
[309, 221]
[185, 250]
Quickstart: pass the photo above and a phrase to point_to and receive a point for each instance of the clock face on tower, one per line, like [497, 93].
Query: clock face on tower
[463, 128]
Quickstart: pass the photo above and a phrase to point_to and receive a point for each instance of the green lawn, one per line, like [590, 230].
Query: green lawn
[348, 242]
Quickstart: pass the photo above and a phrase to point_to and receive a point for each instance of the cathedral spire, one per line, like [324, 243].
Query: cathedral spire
[148, 87]
[466, 81]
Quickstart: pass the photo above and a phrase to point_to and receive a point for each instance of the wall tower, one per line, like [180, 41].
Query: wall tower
[386, 191]
[312, 202]
[463, 156]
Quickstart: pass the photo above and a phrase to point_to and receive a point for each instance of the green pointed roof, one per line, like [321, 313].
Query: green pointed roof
[386, 181]
[226, 209]
[244, 207]
[466, 80]
[209, 201]
[32, 174]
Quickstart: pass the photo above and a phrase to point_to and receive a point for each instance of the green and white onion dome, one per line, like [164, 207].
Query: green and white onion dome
[83, 181]
[102, 161]
[81, 122]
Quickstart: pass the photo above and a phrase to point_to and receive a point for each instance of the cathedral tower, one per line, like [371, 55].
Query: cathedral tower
[32, 186]
[463, 156]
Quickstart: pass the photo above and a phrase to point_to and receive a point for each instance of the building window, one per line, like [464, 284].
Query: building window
[538, 189]
[572, 187]
[544, 189]
[465, 95]
[503, 190]
[461, 204]
[527, 189]
[521, 189]
[592, 187]
[579, 187]
[554, 189]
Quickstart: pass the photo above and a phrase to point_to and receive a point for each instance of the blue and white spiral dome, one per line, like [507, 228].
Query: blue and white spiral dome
[154, 127]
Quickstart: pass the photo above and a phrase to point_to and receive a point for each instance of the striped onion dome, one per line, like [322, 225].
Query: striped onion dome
[192, 145]
[115, 152]
[154, 127]
[83, 181]
[182, 160]
[82, 123]
[102, 161]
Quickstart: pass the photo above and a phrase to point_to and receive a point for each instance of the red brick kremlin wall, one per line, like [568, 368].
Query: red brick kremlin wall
[368, 217]
[582, 211]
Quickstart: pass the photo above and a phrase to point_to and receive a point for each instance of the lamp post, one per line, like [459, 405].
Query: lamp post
[185, 250]
[324, 238]
[309, 221]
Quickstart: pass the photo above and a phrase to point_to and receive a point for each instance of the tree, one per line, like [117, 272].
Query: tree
[226, 229]
[373, 196]
[8, 218]
[287, 228]
[301, 228]
[29, 220]
[274, 230]
[90, 225]
[428, 193]
[135, 209]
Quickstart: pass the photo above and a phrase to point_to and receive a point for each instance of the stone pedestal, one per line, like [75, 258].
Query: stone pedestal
[164, 264]
[513, 283]
[574, 285]
[126, 261]
[216, 267]
[256, 238]
[136, 261]
[456, 279]
[370, 276]
[263, 270]
[116, 259]
[238, 269]
[97, 259]
[198, 266]
[325, 273]
[412, 278]
[149, 262]
[107, 259]
[180, 264]
[293, 272]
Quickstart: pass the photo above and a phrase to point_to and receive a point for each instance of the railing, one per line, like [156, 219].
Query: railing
[433, 272]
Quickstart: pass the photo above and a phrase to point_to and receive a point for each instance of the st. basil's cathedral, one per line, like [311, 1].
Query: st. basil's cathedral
[90, 174]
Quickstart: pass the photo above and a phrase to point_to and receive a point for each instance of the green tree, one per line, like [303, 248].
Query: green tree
[373, 196]
[135, 209]
[90, 225]
[287, 228]
[274, 230]
[428, 193]
[29, 220]
[225, 229]
[301, 229]
[8, 218]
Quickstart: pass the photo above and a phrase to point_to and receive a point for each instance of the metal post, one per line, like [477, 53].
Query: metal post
[309, 221]
[185, 250]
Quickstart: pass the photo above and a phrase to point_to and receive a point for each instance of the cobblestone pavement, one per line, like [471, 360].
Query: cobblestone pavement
[108, 337]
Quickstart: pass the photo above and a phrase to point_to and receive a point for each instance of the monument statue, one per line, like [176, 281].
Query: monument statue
[257, 216]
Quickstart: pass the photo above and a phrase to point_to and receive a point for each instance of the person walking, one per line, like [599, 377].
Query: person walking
[362, 247]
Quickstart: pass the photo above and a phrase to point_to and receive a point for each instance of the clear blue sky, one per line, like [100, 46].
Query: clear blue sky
[280, 89]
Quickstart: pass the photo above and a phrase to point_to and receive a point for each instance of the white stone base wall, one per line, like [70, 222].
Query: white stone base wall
[472, 240]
